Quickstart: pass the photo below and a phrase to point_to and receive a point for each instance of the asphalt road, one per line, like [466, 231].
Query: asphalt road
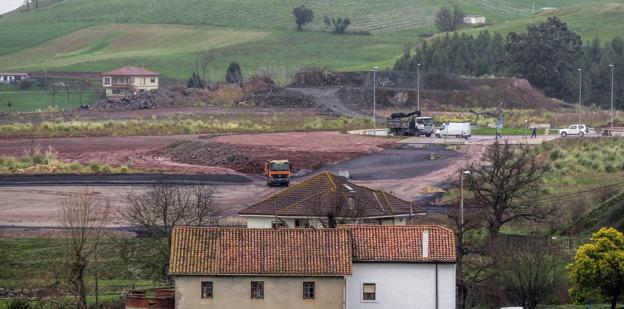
[403, 162]
[121, 179]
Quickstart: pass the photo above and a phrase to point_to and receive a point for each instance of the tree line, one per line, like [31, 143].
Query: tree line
[548, 55]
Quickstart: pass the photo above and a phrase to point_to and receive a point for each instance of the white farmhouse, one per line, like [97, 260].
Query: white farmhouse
[12, 77]
[129, 79]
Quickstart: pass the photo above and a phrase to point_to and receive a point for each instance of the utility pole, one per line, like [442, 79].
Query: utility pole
[612, 86]
[580, 94]
[533, 11]
[418, 87]
[375, 100]
[461, 198]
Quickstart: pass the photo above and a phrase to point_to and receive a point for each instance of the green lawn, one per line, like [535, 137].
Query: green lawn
[39, 98]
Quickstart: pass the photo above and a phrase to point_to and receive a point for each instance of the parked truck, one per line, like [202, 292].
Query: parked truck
[410, 124]
[278, 172]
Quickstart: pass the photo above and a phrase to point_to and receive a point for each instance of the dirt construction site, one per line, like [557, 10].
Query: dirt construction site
[232, 163]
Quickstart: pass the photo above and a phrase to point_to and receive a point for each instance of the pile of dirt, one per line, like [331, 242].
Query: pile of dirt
[258, 91]
[262, 91]
[483, 93]
[247, 159]
[438, 91]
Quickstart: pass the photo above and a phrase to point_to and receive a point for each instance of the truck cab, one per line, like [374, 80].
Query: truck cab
[278, 172]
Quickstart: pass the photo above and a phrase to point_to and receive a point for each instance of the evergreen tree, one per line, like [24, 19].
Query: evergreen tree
[234, 74]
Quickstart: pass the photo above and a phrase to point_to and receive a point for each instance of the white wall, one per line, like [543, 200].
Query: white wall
[402, 286]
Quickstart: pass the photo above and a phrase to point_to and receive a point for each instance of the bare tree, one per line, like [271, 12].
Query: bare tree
[531, 268]
[84, 216]
[159, 209]
[205, 58]
[447, 20]
[68, 88]
[82, 86]
[337, 208]
[27, 4]
[505, 184]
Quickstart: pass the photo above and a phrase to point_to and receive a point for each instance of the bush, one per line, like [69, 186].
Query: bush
[74, 166]
[106, 169]
[94, 167]
[123, 169]
[556, 154]
[18, 304]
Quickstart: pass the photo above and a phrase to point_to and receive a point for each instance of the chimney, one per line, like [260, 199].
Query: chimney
[425, 243]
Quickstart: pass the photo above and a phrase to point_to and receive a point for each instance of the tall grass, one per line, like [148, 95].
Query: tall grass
[36, 161]
[172, 126]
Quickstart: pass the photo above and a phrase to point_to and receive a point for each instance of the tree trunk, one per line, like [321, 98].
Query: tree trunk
[78, 269]
[614, 300]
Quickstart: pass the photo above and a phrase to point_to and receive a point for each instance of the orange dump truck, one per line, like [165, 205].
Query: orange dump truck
[278, 172]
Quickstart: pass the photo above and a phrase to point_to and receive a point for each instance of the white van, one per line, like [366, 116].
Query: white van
[456, 129]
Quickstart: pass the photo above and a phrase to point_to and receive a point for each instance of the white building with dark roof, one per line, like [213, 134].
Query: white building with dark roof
[129, 79]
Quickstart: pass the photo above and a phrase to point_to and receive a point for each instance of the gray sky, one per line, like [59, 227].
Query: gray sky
[9, 5]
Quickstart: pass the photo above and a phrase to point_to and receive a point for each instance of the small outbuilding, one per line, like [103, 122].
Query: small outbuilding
[474, 20]
[13, 77]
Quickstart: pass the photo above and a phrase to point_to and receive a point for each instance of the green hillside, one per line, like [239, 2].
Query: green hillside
[164, 35]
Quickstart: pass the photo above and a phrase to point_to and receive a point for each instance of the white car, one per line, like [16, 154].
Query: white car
[575, 129]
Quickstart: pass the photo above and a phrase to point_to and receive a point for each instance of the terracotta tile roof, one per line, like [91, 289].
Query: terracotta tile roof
[315, 196]
[130, 71]
[14, 73]
[241, 251]
[401, 243]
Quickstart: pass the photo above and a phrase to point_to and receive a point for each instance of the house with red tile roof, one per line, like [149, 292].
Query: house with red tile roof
[129, 79]
[353, 266]
[12, 77]
[326, 200]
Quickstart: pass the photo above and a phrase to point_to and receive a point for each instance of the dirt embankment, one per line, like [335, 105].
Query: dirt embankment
[437, 91]
[246, 153]
[259, 91]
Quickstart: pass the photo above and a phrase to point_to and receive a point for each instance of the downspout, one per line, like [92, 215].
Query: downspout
[344, 293]
[436, 286]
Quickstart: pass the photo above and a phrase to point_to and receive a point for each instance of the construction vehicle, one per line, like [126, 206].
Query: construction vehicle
[278, 172]
[410, 124]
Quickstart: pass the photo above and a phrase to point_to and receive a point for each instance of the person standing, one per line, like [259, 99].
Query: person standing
[534, 132]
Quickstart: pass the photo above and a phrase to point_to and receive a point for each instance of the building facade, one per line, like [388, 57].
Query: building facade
[350, 267]
[12, 77]
[129, 79]
[474, 20]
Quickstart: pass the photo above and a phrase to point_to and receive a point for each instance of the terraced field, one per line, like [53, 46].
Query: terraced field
[164, 35]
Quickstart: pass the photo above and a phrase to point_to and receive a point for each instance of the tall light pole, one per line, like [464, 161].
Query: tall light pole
[580, 93]
[375, 100]
[418, 87]
[461, 198]
[612, 109]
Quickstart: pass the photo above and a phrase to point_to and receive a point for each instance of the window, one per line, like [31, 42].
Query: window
[369, 291]
[152, 80]
[116, 91]
[107, 80]
[206, 289]
[308, 290]
[257, 289]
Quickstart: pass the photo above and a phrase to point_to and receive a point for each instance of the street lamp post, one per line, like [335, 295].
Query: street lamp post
[580, 93]
[612, 109]
[375, 101]
[418, 87]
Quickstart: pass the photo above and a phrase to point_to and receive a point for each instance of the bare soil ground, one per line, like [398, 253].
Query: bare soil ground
[40, 206]
[245, 153]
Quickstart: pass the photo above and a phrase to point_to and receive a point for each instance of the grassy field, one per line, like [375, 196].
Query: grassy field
[82, 35]
[39, 98]
[602, 20]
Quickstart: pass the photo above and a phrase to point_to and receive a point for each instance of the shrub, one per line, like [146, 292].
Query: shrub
[74, 166]
[18, 304]
[106, 169]
[94, 167]
[610, 169]
[556, 154]
[123, 169]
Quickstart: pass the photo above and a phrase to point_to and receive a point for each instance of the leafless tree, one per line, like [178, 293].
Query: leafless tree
[205, 58]
[68, 88]
[337, 208]
[470, 267]
[505, 184]
[82, 86]
[84, 216]
[531, 268]
[159, 209]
